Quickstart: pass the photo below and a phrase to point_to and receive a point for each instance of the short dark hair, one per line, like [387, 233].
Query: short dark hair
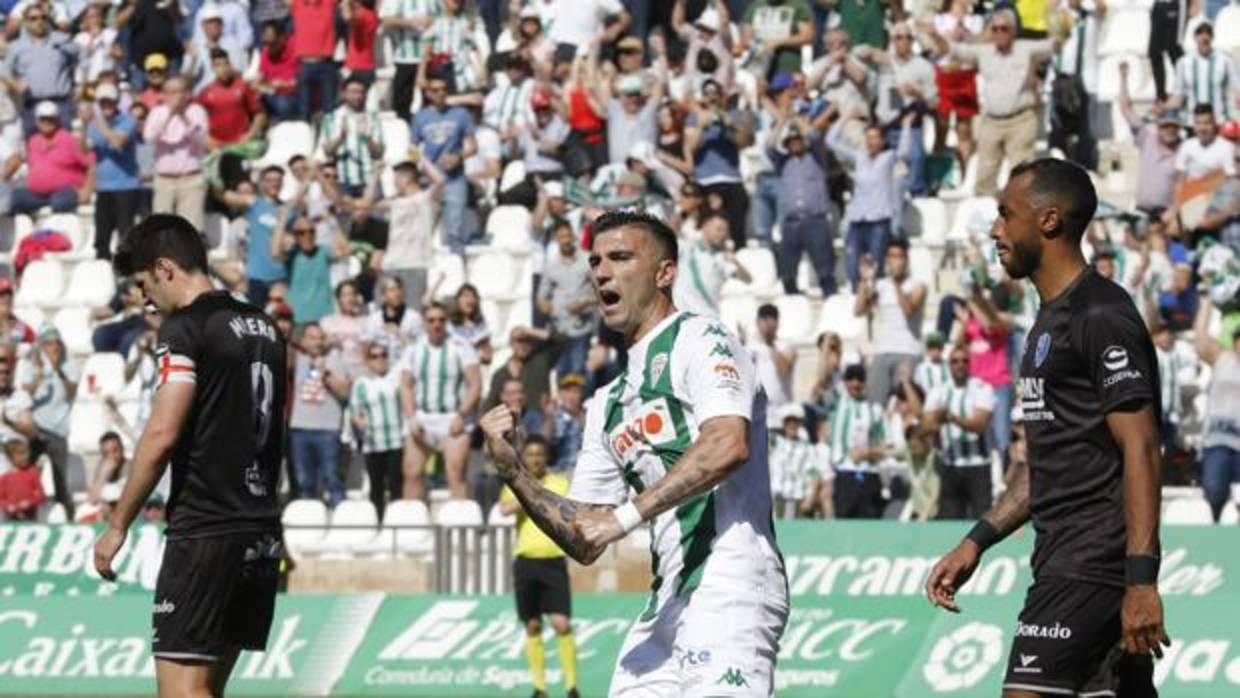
[354, 79]
[897, 242]
[537, 439]
[218, 54]
[109, 436]
[406, 167]
[1066, 184]
[296, 159]
[663, 235]
[272, 168]
[558, 222]
[347, 282]
[1204, 109]
[163, 235]
[768, 310]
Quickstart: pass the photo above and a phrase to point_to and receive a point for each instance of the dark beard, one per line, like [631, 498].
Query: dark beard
[1022, 261]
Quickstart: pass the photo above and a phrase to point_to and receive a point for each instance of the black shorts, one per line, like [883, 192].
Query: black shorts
[214, 595]
[542, 587]
[1067, 643]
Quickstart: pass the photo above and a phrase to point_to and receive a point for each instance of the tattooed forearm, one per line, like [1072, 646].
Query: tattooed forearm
[555, 515]
[719, 448]
[1012, 509]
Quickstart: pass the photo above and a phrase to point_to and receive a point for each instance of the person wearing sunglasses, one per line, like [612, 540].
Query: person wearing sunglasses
[39, 66]
[959, 412]
[374, 404]
[309, 266]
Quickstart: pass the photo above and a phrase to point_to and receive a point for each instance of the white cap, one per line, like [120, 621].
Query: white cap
[643, 152]
[208, 13]
[709, 19]
[107, 90]
[47, 110]
[111, 492]
[792, 410]
[554, 190]
[529, 12]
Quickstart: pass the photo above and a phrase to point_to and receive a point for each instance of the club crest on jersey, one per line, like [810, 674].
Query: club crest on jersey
[1042, 350]
[651, 426]
[657, 364]
[1114, 358]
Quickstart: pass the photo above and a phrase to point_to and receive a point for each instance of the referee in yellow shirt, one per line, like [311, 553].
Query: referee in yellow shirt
[540, 575]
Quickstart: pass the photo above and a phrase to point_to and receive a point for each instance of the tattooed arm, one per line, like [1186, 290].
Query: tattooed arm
[1011, 511]
[721, 447]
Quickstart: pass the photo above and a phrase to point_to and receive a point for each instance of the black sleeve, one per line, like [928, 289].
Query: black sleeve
[1117, 350]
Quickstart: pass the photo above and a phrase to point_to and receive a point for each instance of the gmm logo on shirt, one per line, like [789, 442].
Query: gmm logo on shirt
[651, 425]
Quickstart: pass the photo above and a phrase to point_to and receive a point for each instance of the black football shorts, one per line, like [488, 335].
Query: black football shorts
[1067, 644]
[215, 594]
[542, 587]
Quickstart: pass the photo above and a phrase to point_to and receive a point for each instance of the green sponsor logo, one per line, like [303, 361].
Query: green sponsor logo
[722, 349]
[732, 677]
[715, 330]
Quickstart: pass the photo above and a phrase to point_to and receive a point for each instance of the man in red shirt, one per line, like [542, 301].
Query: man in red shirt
[277, 74]
[314, 43]
[235, 121]
[363, 21]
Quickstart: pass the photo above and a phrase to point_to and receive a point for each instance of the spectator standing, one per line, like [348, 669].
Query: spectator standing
[507, 107]
[56, 168]
[112, 135]
[565, 420]
[795, 465]
[957, 80]
[543, 137]
[154, 30]
[1009, 100]
[985, 331]
[714, 137]
[1169, 366]
[897, 302]
[263, 211]
[353, 137]
[411, 225]
[773, 359]
[931, 371]
[796, 152]
[631, 114]
[235, 122]
[1220, 462]
[320, 384]
[98, 48]
[872, 210]
[534, 352]
[209, 38]
[567, 295]
[235, 23]
[959, 410]
[1077, 117]
[577, 22]
[467, 323]
[155, 73]
[774, 31]
[346, 328]
[363, 23]
[705, 264]
[828, 380]
[314, 44]
[397, 319]
[39, 68]
[446, 136]
[309, 267]
[1158, 142]
[1206, 77]
[21, 488]
[708, 35]
[277, 74]
[1167, 25]
[905, 85]
[440, 387]
[858, 438]
[451, 35]
[178, 129]
[404, 21]
[374, 404]
[51, 378]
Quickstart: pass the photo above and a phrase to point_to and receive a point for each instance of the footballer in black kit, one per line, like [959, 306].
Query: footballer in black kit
[1089, 395]
[217, 420]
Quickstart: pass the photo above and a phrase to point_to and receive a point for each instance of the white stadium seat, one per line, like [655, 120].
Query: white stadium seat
[41, 284]
[1126, 32]
[739, 311]
[458, 512]
[1227, 29]
[921, 265]
[304, 512]
[837, 316]
[92, 284]
[928, 220]
[760, 262]
[509, 227]
[493, 275]
[32, 316]
[88, 420]
[1193, 511]
[796, 323]
[103, 374]
[74, 326]
[69, 225]
[496, 517]
[1140, 79]
[395, 139]
[972, 215]
[447, 274]
[409, 512]
[353, 526]
[286, 139]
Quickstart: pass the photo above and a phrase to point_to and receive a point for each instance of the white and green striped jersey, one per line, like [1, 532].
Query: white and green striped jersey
[377, 400]
[353, 159]
[930, 374]
[686, 371]
[508, 106]
[795, 464]
[438, 373]
[855, 424]
[1169, 365]
[702, 273]
[407, 43]
[958, 447]
[454, 35]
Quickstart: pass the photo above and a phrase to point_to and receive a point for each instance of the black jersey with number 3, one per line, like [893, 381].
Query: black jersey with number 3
[226, 463]
[1087, 354]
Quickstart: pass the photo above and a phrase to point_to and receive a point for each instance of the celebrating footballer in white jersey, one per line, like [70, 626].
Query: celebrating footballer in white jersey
[684, 429]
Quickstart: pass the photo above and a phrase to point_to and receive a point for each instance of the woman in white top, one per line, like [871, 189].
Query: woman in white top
[467, 323]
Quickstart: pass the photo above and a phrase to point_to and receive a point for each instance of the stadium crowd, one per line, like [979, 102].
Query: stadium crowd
[407, 186]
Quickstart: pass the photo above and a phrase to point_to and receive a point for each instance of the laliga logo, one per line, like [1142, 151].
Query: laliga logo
[963, 658]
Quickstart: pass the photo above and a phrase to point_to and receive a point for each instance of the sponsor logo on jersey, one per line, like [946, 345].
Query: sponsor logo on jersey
[727, 369]
[1032, 393]
[732, 677]
[1025, 661]
[652, 426]
[1042, 350]
[1121, 376]
[721, 349]
[164, 606]
[1058, 631]
[689, 657]
[715, 330]
[1114, 358]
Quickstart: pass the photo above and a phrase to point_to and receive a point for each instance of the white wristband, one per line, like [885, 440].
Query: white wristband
[628, 516]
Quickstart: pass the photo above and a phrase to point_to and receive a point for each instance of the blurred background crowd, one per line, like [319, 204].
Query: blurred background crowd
[407, 186]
